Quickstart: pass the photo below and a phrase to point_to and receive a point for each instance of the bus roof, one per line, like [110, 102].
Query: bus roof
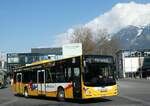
[38, 63]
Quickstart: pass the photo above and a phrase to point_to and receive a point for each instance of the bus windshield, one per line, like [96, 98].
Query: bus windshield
[98, 74]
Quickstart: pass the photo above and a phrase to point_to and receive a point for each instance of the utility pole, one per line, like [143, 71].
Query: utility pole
[140, 66]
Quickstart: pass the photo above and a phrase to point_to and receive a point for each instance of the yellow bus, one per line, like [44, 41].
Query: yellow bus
[80, 77]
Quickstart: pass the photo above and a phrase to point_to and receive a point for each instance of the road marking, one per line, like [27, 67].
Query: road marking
[136, 100]
[9, 102]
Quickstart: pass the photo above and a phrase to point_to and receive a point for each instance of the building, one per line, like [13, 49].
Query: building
[21, 59]
[51, 53]
[3, 65]
[3, 69]
[133, 63]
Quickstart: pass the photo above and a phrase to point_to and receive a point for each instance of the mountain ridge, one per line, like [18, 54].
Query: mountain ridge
[134, 37]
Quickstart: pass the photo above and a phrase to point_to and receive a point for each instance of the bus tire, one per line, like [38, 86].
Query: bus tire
[60, 94]
[26, 95]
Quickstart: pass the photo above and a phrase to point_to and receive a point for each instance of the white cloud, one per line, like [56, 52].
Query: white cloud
[120, 16]
[63, 38]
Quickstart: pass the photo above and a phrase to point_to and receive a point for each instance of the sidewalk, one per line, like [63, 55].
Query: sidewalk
[134, 79]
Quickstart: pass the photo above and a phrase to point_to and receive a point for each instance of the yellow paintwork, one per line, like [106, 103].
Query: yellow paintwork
[94, 92]
[69, 92]
[91, 92]
[19, 89]
[33, 92]
[51, 94]
[40, 62]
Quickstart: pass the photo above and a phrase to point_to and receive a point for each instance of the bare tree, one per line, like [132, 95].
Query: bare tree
[99, 42]
[105, 44]
[84, 35]
[115, 45]
[101, 39]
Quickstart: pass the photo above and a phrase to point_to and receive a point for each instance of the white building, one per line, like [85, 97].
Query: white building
[3, 69]
[2, 60]
[131, 62]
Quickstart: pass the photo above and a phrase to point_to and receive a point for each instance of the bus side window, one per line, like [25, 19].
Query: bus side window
[69, 74]
[26, 77]
[14, 77]
[19, 78]
[76, 72]
[60, 74]
[41, 77]
[50, 75]
[33, 77]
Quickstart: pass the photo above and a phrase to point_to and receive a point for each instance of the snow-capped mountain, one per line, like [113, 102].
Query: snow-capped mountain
[133, 37]
[119, 16]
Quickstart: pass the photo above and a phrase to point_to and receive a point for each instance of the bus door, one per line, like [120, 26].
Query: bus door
[41, 82]
[76, 83]
[19, 83]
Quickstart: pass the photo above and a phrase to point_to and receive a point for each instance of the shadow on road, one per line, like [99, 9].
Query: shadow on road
[86, 101]
[89, 101]
[3, 87]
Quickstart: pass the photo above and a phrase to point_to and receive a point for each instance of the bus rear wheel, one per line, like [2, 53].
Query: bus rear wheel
[60, 94]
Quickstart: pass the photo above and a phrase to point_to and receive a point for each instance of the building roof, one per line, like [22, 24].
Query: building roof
[52, 51]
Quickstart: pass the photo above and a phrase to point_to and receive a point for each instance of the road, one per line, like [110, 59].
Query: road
[132, 93]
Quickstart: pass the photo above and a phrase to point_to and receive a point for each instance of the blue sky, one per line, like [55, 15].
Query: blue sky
[26, 24]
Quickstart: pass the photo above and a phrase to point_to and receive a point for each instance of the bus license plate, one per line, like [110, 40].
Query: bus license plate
[103, 90]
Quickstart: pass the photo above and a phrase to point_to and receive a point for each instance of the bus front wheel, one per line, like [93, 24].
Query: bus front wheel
[60, 94]
[26, 93]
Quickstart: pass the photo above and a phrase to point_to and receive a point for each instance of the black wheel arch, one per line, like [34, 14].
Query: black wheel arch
[60, 87]
[58, 90]
[25, 88]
